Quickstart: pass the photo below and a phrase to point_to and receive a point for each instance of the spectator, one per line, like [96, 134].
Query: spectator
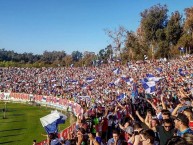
[53, 139]
[93, 140]
[147, 137]
[188, 112]
[135, 139]
[165, 131]
[115, 140]
[34, 142]
[182, 125]
[176, 140]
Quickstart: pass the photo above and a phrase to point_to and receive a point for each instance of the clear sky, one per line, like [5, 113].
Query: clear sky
[69, 25]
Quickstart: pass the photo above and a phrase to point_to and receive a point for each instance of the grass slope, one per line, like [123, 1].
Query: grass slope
[22, 124]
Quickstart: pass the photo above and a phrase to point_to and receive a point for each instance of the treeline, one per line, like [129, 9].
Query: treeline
[48, 58]
[159, 35]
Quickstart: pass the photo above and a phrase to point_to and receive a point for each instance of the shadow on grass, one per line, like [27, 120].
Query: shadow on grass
[16, 115]
[6, 142]
[13, 129]
[13, 121]
[11, 135]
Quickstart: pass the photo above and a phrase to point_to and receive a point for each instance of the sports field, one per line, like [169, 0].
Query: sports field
[22, 124]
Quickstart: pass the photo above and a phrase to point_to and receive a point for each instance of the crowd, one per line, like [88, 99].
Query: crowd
[140, 103]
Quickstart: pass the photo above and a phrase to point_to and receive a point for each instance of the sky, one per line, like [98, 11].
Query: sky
[35, 26]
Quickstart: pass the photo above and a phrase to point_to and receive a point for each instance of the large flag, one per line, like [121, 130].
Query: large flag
[62, 117]
[144, 80]
[149, 87]
[50, 122]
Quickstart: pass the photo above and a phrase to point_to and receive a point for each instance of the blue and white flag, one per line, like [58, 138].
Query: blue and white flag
[121, 97]
[116, 82]
[181, 49]
[62, 118]
[111, 84]
[89, 79]
[119, 60]
[149, 87]
[74, 82]
[181, 72]
[44, 99]
[159, 70]
[84, 86]
[71, 65]
[151, 77]
[145, 57]
[83, 98]
[51, 121]
[144, 80]
[116, 71]
[129, 81]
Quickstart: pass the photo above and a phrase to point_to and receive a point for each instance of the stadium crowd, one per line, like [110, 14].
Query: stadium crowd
[141, 103]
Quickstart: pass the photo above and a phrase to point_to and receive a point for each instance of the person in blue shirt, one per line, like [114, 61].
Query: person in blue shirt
[182, 125]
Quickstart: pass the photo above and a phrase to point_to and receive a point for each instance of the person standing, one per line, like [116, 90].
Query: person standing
[165, 131]
[182, 125]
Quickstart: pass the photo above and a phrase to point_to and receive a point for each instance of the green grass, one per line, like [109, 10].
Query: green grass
[22, 124]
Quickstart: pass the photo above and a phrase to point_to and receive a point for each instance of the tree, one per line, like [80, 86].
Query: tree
[109, 51]
[101, 54]
[188, 25]
[67, 60]
[76, 56]
[118, 37]
[50, 57]
[174, 28]
[105, 54]
[88, 58]
[152, 20]
[134, 48]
